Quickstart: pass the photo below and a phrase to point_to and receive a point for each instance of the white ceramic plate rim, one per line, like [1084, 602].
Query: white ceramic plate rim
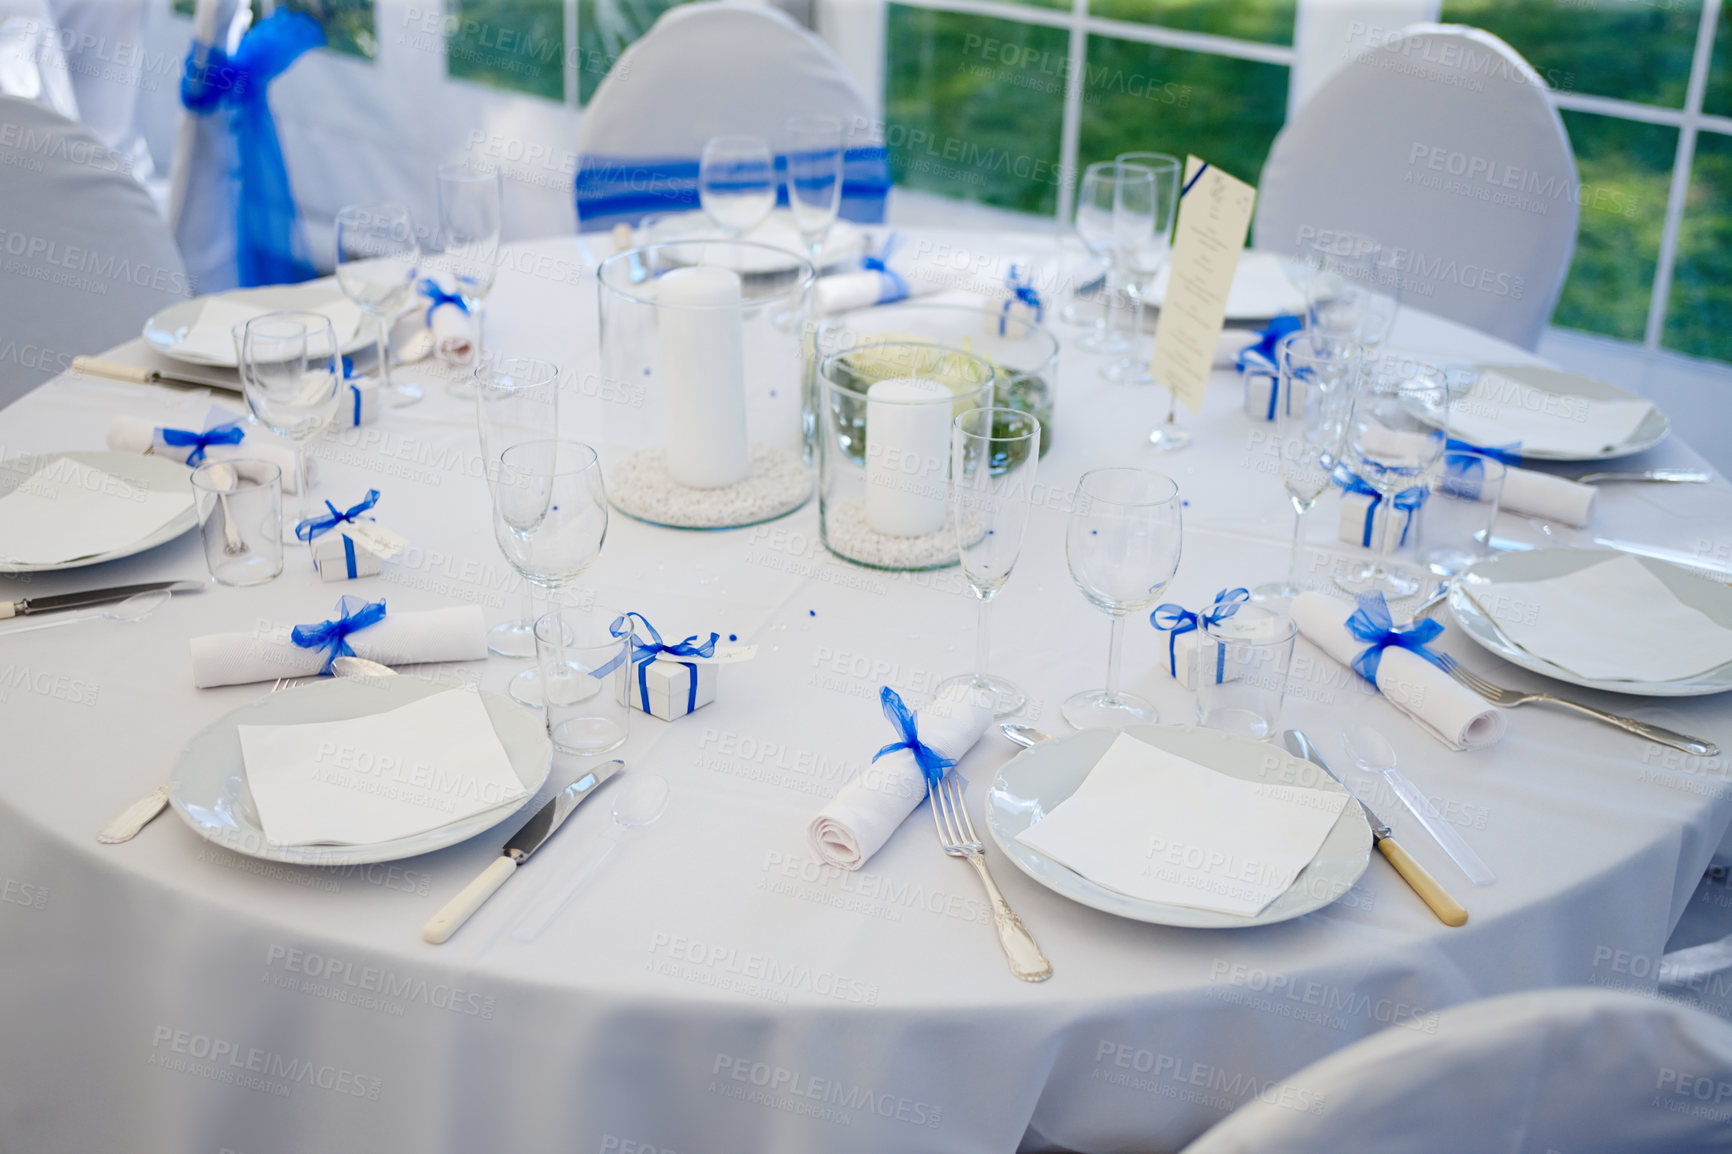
[154, 473]
[1344, 855]
[1654, 427]
[843, 243]
[1699, 592]
[163, 330]
[221, 786]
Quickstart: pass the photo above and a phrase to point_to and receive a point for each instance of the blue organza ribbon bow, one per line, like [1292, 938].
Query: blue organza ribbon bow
[892, 287]
[1264, 350]
[932, 763]
[324, 523]
[1022, 291]
[1372, 623]
[267, 248]
[1404, 502]
[1180, 620]
[644, 652]
[437, 296]
[227, 433]
[353, 615]
[1510, 454]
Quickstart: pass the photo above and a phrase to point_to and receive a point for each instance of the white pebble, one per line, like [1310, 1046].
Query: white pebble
[641, 487]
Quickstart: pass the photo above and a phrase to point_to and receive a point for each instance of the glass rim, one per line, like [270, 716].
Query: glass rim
[606, 271]
[1083, 481]
[490, 371]
[201, 473]
[994, 411]
[1156, 162]
[322, 321]
[593, 462]
[829, 383]
[468, 171]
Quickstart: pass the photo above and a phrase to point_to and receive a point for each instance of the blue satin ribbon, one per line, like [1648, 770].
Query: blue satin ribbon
[353, 615]
[892, 287]
[227, 433]
[268, 247]
[644, 652]
[1404, 502]
[1022, 291]
[1264, 349]
[932, 763]
[614, 190]
[430, 289]
[324, 523]
[1180, 620]
[1510, 454]
[1371, 622]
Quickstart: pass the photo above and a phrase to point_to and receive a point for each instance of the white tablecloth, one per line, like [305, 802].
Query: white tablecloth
[713, 990]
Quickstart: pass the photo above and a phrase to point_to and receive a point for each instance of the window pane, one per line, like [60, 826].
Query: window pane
[1631, 51]
[1146, 98]
[1268, 21]
[514, 44]
[1699, 311]
[1060, 5]
[348, 24]
[974, 107]
[605, 28]
[1718, 99]
[185, 7]
[1625, 169]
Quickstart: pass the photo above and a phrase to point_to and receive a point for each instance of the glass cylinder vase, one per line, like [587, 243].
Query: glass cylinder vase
[701, 347]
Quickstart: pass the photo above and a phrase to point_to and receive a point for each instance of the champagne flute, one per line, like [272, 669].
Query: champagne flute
[516, 400]
[814, 179]
[1395, 434]
[471, 222]
[377, 261]
[993, 457]
[1315, 391]
[1094, 226]
[1147, 247]
[737, 183]
[550, 519]
[292, 376]
[1122, 544]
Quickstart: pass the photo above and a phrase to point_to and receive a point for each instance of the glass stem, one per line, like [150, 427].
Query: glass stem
[1136, 336]
[1387, 542]
[982, 640]
[1115, 305]
[1298, 536]
[529, 604]
[1172, 407]
[478, 310]
[384, 352]
[303, 498]
[1115, 647]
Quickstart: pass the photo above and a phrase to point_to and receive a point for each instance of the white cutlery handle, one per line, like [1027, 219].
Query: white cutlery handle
[450, 919]
[134, 818]
[1459, 851]
[115, 370]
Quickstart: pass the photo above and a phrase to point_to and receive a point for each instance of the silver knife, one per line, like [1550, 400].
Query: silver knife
[524, 842]
[1449, 911]
[1674, 476]
[60, 601]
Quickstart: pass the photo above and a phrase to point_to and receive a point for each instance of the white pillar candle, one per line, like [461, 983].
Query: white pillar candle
[907, 457]
[704, 377]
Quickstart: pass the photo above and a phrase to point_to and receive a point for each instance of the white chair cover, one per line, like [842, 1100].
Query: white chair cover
[715, 69]
[88, 257]
[1587, 1071]
[103, 41]
[32, 64]
[1441, 144]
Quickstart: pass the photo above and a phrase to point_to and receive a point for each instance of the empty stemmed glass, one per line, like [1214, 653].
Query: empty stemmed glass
[516, 400]
[471, 223]
[737, 183]
[1395, 434]
[377, 261]
[814, 179]
[1143, 214]
[550, 518]
[1314, 393]
[291, 375]
[1094, 227]
[993, 457]
[1353, 290]
[1122, 543]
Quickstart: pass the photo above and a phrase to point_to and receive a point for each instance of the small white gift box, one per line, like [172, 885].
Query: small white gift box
[1261, 386]
[345, 547]
[358, 401]
[1362, 525]
[1188, 647]
[675, 687]
[339, 557]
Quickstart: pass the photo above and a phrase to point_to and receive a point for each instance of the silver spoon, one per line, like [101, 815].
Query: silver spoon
[641, 802]
[1023, 735]
[225, 476]
[1371, 752]
[134, 608]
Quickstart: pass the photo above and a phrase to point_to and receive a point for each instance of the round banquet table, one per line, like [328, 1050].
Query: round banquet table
[714, 989]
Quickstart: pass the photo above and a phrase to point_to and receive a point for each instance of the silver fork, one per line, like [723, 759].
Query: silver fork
[1508, 698]
[956, 834]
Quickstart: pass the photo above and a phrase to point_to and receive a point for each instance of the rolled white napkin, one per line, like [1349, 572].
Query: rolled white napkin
[453, 334]
[1449, 711]
[907, 277]
[1534, 494]
[860, 819]
[135, 435]
[455, 634]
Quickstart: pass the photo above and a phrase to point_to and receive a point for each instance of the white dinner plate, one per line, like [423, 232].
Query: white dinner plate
[159, 474]
[1700, 593]
[1649, 433]
[209, 785]
[1038, 778]
[165, 331]
[842, 245]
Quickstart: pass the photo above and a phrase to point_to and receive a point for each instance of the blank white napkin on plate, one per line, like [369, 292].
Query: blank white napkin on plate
[1500, 409]
[1612, 621]
[1159, 827]
[1448, 710]
[862, 816]
[377, 778]
[212, 335]
[67, 509]
[455, 634]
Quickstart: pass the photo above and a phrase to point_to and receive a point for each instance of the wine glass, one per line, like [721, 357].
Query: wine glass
[1315, 390]
[550, 518]
[1395, 434]
[1094, 226]
[471, 220]
[292, 376]
[1122, 544]
[737, 183]
[1143, 238]
[993, 457]
[377, 261]
[516, 400]
[1354, 288]
[815, 160]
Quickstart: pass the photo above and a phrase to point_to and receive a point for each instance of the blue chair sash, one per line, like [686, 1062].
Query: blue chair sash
[621, 189]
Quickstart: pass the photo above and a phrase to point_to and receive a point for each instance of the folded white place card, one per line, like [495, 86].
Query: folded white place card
[377, 778]
[1614, 621]
[67, 509]
[1162, 828]
[1500, 409]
